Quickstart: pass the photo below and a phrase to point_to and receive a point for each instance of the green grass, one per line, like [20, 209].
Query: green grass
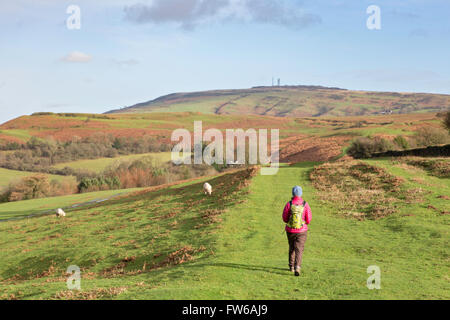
[23, 135]
[386, 130]
[433, 188]
[7, 176]
[98, 165]
[242, 255]
[29, 207]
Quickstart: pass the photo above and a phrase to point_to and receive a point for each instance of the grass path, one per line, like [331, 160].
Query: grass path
[250, 261]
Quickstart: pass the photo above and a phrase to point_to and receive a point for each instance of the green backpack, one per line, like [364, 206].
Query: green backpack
[295, 221]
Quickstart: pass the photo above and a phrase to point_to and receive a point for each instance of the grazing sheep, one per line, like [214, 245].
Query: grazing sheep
[60, 213]
[207, 188]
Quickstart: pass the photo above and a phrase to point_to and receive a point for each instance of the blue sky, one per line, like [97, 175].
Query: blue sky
[132, 51]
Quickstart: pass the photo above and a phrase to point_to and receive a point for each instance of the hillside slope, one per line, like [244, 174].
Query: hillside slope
[179, 244]
[296, 101]
[301, 139]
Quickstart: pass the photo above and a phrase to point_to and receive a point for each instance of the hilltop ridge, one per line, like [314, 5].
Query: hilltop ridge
[296, 101]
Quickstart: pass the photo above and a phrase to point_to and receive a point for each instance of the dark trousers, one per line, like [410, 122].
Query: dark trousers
[296, 246]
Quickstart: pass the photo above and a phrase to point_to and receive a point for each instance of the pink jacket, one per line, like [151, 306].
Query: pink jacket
[306, 215]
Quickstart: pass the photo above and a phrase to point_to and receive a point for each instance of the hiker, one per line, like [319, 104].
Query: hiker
[297, 216]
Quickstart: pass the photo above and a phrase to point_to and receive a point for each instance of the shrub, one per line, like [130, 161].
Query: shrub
[32, 187]
[431, 136]
[98, 184]
[401, 142]
[10, 146]
[447, 121]
[365, 147]
[37, 186]
[62, 188]
[42, 114]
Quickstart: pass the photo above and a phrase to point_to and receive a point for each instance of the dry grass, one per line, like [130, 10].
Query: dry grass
[99, 293]
[438, 167]
[360, 190]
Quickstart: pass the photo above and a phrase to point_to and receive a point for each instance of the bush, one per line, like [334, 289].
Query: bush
[35, 187]
[431, 136]
[365, 147]
[10, 146]
[42, 114]
[98, 184]
[401, 142]
[32, 187]
[447, 121]
[62, 188]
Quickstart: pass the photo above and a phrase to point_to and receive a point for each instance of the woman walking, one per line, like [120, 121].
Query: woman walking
[297, 216]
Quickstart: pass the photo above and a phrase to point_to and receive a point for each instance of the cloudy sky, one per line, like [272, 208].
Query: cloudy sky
[132, 51]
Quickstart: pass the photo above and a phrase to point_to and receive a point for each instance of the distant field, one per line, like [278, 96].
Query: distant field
[161, 125]
[98, 165]
[328, 136]
[7, 176]
[28, 207]
[16, 134]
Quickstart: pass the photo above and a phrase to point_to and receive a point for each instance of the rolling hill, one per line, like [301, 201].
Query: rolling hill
[294, 101]
[302, 139]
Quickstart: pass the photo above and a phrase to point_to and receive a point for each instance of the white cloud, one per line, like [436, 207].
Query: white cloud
[77, 56]
[191, 13]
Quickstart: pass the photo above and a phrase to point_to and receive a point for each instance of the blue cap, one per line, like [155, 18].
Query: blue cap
[297, 191]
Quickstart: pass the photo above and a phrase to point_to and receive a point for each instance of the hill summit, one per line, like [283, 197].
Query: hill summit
[296, 101]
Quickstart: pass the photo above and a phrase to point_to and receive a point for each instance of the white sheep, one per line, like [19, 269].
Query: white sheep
[60, 213]
[207, 188]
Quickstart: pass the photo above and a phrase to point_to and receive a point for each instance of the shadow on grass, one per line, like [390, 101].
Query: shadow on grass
[273, 270]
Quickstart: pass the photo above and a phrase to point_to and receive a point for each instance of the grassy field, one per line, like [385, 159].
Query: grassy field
[176, 243]
[323, 137]
[23, 135]
[99, 165]
[7, 176]
[19, 209]
[161, 125]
